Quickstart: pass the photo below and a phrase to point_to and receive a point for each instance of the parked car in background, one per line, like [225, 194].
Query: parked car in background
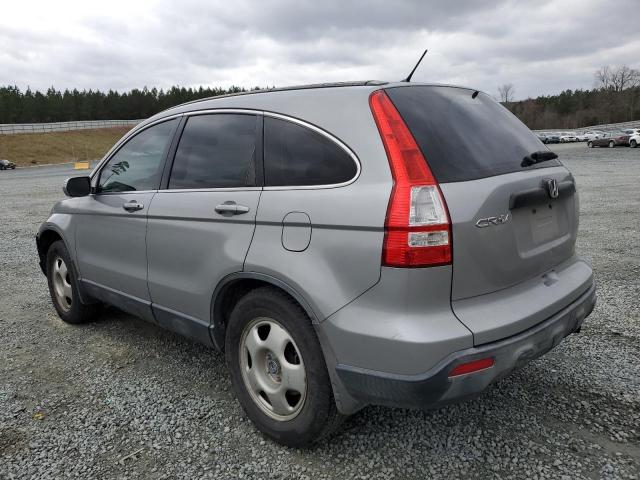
[631, 131]
[552, 137]
[634, 140]
[542, 137]
[7, 165]
[593, 134]
[568, 137]
[610, 139]
[581, 136]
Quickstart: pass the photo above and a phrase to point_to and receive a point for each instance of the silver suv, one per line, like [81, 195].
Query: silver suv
[348, 244]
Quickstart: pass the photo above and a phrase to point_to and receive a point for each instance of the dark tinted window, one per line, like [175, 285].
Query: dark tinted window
[464, 138]
[138, 164]
[295, 155]
[216, 151]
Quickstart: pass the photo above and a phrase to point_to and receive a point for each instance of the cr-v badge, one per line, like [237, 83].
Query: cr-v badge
[489, 221]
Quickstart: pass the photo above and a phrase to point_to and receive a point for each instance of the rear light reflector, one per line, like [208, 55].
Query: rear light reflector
[417, 227]
[471, 367]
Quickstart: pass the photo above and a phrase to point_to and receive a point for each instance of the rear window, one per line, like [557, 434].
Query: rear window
[465, 138]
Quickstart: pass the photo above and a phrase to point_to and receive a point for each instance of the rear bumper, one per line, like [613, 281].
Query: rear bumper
[435, 388]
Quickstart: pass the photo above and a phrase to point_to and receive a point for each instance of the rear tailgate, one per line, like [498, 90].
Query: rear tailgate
[496, 246]
[513, 237]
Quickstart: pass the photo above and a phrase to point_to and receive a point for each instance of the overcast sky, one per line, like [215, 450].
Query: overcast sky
[542, 47]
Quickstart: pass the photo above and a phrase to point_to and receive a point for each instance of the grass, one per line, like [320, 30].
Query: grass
[59, 147]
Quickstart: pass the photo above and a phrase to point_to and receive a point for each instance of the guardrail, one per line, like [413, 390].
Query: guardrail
[607, 127]
[13, 128]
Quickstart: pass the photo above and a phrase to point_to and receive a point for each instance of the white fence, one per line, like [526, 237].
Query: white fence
[11, 128]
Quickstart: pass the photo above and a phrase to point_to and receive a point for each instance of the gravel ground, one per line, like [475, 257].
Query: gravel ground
[120, 398]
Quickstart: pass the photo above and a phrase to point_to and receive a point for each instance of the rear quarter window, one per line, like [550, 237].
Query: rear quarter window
[462, 137]
[295, 155]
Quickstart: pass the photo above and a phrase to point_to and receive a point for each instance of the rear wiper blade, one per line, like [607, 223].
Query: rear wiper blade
[537, 157]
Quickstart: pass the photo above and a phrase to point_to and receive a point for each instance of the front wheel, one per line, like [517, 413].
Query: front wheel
[278, 370]
[63, 287]
[590, 144]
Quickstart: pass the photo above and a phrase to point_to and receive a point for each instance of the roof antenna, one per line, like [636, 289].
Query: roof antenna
[408, 79]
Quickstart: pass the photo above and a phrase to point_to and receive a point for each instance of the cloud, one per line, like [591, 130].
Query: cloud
[542, 47]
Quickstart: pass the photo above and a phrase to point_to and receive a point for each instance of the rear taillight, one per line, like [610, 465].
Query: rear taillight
[417, 227]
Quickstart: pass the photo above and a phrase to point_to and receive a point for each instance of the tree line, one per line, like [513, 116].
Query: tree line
[615, 98]
[17, 106]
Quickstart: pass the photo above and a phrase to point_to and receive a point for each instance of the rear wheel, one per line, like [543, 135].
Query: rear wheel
[278, 370]
[63, 287]
[611, 144]
[633, 144]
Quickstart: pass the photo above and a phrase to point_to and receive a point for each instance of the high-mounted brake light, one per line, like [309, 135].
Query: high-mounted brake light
[417, 227]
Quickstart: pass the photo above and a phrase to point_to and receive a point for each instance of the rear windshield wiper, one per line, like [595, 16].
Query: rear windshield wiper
[537, 157]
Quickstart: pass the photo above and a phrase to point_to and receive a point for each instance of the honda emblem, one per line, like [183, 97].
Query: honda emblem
[552, 187]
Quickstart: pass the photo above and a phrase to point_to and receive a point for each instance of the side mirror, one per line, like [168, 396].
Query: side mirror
[77, 187]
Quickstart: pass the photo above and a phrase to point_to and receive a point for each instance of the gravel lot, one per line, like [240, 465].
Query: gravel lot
[120, 398]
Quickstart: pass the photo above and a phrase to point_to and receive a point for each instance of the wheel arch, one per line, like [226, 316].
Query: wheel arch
[47, 235]
[234, 286]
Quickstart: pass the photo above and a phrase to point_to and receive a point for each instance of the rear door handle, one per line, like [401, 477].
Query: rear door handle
[230, 208]
[133, 206]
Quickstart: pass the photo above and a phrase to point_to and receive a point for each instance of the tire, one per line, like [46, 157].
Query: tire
[633, 144]
[611, 144]
[590, 144]
[63, 287]
[261, 319]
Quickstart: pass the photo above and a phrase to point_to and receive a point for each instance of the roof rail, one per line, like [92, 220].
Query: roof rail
[285, 89]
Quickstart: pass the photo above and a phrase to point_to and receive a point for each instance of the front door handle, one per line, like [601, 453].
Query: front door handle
[132, 206]
[230, 208]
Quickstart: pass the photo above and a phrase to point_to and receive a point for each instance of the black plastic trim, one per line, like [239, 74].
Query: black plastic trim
[435, 388]
[540, 195]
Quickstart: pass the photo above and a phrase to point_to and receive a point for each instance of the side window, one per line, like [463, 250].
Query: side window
[138, 164]
[216, 151]
[295, 155]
